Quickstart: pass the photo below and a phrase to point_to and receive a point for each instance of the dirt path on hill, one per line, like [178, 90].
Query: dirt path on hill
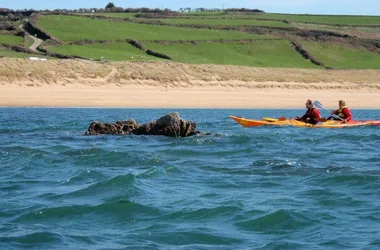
[36, 43]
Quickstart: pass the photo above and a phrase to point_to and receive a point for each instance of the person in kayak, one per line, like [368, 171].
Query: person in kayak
[343, 112]
[312, 115]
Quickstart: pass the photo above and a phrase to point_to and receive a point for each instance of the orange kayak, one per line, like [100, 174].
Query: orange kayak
[291, 122]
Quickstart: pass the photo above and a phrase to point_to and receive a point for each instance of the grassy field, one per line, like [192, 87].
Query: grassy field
[9, 39]
[361, 32]
[111, 51]
[322, 19]
[325, 19]
[209, 19]
[343, 57]
[118, 15]
[259, 54]
[213, 13]
[225, 22]
[11, 53]
[71, 28]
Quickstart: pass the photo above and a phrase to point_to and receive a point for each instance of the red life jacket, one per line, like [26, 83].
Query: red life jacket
[313, 114]
[344, 113]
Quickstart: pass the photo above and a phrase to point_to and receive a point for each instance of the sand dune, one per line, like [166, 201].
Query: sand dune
[166, 84]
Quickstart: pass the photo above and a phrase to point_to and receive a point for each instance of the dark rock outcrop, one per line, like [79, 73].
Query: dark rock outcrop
[33, 30]
[118, 128]
[169, 125]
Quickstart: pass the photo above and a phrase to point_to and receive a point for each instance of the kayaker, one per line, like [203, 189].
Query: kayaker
[312, 114]
[343, 112]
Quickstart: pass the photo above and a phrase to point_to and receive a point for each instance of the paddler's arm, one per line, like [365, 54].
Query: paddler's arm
[316, 116]
[304, 117]
[299, 118]
[334, 112]
[347, 114]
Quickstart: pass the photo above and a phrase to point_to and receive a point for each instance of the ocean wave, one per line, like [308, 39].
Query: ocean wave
[204, 214]
[120, 210]
[284, 244]
[351, 179]
[192, 238]
[278, 222]
[159, 171]
[31, 239]
[22, 150]
[121, 185]
[84, 177]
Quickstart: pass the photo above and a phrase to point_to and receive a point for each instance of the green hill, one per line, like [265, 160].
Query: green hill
[11, 39]
[71, 28]
[250, 39]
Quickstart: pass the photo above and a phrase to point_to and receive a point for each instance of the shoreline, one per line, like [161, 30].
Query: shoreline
[112, 96]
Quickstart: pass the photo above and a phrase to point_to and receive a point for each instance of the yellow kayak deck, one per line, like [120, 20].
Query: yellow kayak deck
[291, 122]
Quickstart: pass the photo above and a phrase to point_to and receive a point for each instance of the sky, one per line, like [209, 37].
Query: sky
[341, 7]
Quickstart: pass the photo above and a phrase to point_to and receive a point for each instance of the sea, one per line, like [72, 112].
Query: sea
[238, 188]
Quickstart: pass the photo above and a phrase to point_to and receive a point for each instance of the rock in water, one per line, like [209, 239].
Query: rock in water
[118, 128]
[169, 125]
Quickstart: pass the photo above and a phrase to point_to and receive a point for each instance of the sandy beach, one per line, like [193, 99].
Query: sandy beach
[65, 83]
[148, 97]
